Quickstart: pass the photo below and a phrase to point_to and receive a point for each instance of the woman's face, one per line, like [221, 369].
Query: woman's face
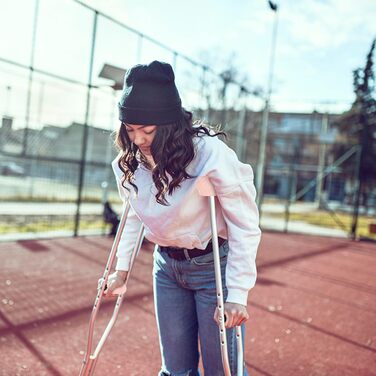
[142, 136]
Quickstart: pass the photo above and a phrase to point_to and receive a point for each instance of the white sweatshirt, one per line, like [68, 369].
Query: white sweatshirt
[186, 222]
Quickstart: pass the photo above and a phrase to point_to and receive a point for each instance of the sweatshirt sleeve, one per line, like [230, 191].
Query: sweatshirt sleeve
[233, 182]
[131, 228]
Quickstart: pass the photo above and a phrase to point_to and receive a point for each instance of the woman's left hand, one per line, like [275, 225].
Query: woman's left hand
[235, 314]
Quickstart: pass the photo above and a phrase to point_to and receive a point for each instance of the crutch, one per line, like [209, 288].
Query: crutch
[206, 188]
[90, 359]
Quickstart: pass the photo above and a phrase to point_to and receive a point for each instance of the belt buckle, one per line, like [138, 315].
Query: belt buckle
[173, 252]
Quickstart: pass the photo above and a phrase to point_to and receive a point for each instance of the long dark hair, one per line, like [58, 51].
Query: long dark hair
[172, 150]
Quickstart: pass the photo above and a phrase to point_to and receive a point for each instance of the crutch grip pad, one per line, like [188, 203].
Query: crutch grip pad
[100, 282]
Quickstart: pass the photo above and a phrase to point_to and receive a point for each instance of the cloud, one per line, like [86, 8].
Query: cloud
[328, 24]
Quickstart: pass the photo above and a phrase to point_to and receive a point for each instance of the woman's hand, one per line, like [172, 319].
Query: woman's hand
[115, 281]
[235, 314]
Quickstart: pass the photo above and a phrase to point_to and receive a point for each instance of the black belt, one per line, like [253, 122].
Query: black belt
[181, 254]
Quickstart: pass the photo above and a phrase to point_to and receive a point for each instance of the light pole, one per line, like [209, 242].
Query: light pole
[116, 75]
[265, 116]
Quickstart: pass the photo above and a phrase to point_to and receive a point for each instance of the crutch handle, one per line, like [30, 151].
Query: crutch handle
[117, 291]
[120, 290]
[205, 187]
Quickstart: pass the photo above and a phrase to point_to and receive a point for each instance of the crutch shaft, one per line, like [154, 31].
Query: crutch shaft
[219, 289]
[85, 365]
[119, 299]
[90, 359]
[94, 357]
[206, 188]
[240, 355]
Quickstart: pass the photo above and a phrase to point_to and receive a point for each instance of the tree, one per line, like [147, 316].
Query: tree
[358, 127]
[217, 86]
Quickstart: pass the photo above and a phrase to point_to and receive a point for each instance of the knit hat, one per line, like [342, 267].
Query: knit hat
[150, 96]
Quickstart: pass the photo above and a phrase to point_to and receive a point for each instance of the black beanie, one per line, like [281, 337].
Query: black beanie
[150, 96]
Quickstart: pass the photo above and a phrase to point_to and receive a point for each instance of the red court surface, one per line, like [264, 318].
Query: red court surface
[312, 310]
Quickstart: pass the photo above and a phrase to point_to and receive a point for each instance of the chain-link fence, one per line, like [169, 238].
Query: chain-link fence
[59, 90]
[58, 107]
[311, 180]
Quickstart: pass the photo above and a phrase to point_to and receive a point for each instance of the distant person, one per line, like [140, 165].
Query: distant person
[161, 155]
[110, 217]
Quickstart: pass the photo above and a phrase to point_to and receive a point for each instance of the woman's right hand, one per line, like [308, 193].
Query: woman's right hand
[115, 281]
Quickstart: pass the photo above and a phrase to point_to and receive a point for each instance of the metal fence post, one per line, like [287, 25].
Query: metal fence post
[31, 72]
[86, 128]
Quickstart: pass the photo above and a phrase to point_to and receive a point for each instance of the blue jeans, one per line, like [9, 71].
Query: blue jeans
[185, 302]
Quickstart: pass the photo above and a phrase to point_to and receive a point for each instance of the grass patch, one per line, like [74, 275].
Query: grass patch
[86, 200]
[43, 226]
[324, 219]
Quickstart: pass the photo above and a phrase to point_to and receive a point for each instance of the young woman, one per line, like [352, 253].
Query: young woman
[162, 155]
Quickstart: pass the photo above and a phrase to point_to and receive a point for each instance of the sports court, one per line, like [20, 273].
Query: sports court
[312, 310]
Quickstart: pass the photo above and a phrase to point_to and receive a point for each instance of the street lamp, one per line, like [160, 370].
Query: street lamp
[265, 116]
[116, 75]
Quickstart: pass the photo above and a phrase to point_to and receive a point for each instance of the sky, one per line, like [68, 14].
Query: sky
[319, 43]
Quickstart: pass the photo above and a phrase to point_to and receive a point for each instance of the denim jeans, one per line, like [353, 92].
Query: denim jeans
[185, 302]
